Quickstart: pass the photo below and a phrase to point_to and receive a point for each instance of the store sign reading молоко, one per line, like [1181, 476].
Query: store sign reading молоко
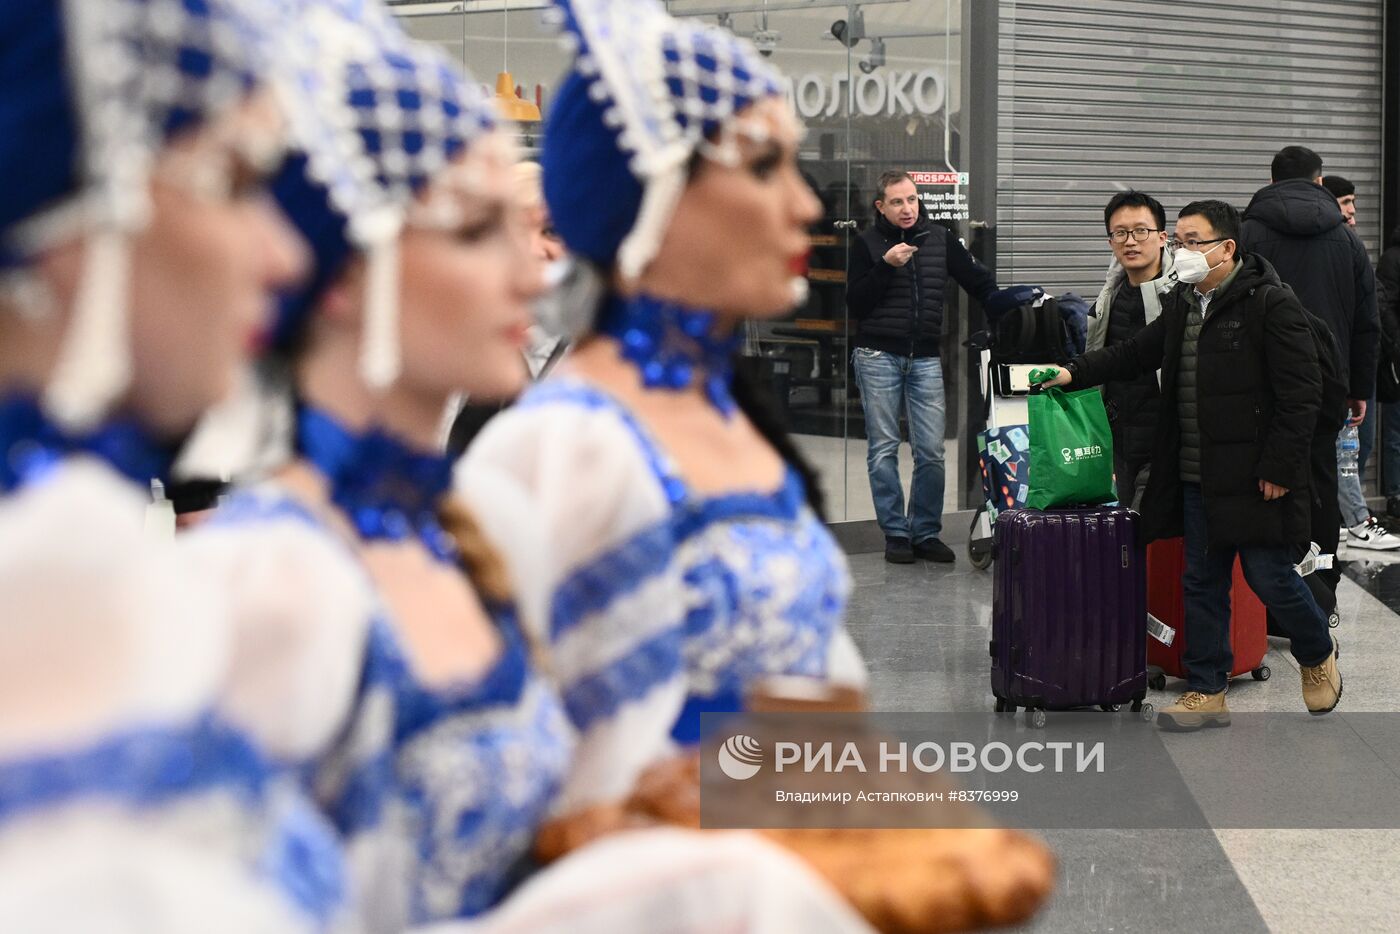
[890, 93]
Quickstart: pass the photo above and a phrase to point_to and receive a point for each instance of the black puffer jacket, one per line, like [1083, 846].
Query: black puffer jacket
[1387, 298]
[1131, 404]
[1388, 272]
[1258, 385]
[1297, 226]
[900, 308]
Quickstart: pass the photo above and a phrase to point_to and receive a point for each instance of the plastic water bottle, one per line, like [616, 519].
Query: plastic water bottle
[1348, 447]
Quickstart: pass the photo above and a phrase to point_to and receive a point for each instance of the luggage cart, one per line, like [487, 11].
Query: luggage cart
[1004, 388]
[979, 535]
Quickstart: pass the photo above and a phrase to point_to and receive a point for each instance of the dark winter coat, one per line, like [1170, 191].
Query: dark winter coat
[1388, 272]
[1387, 298]
[1258, 384]
[1132, 404]
[899, 309]
[1297, 226]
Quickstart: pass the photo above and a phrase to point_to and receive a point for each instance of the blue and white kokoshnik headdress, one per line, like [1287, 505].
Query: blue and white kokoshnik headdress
[90, 92]
[647, 92]
[399, 113]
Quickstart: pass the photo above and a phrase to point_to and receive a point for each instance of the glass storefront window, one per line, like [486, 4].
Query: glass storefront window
[878, 85]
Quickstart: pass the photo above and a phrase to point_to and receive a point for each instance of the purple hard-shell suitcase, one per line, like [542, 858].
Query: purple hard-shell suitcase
[1069, 610]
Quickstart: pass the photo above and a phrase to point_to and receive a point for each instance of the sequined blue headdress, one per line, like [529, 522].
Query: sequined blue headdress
[90, 91]
[401, 112]
[646, 93]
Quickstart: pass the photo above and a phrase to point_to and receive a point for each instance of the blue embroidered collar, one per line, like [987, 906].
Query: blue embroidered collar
[671, 345]
[387, 490]
[31, 446]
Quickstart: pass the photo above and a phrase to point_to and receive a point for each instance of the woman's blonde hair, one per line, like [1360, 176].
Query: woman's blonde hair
[484, 566]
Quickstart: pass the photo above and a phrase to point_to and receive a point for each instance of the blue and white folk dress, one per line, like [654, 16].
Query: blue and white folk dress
[658, 603]
[438, 791]
[128, 800]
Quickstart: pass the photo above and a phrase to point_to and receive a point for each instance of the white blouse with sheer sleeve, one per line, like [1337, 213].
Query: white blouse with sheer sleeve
[658, 603]
[128, 802]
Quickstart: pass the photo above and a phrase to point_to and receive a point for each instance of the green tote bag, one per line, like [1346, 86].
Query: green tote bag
[1071, 461]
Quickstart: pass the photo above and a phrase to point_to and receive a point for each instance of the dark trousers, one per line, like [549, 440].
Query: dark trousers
[1366, 439]
[1326, 519]
[1390, 450]
[1269, 571]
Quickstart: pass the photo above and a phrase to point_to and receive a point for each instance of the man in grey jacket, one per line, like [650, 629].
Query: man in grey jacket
[1131, 299]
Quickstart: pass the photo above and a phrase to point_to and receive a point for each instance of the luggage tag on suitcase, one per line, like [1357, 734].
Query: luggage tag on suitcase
[1314, 560]
[1160, 630]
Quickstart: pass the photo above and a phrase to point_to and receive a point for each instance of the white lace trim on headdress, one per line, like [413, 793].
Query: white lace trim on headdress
[124, 62]
[345, 48]
[631, 49]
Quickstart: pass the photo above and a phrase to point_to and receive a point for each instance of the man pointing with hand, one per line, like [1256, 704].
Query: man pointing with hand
[897, 276]
[899, 254]
[1230, 471]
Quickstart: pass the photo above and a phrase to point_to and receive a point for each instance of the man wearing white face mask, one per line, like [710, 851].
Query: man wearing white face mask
[1243, 389]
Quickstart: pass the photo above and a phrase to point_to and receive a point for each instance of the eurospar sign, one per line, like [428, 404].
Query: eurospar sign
[939, 178]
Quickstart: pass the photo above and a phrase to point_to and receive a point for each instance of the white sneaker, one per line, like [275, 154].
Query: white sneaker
[1371, 535]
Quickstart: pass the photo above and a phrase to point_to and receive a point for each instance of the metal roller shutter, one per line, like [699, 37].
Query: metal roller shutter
[1183, 100]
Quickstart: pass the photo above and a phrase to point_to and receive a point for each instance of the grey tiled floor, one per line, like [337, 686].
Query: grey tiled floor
[923, 630]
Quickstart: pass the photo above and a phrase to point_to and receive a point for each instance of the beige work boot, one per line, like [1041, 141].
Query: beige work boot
[1193, 711]
[1322, 684]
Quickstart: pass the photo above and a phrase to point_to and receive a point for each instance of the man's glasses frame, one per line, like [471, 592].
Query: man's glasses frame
[1139, 234]
[1175, 244]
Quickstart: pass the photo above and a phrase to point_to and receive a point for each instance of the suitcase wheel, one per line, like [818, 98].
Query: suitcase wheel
[1035, 718]
[1004, 706]
[1261, 673]
[980, 549]
[1157, 682]
[1110, 708]
[980, 554]
[1146, 711]
[1334, 619]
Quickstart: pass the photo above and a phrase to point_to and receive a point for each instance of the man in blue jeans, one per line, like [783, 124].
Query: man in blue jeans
[1242, 376]
[898, 273]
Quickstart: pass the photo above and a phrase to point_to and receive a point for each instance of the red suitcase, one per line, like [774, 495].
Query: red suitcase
[1249, 638]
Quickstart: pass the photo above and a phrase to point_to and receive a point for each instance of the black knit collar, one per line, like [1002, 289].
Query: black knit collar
[891, 232]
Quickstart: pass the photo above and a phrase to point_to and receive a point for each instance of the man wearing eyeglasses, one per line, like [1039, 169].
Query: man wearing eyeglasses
[1242, 392]
[1131, 300]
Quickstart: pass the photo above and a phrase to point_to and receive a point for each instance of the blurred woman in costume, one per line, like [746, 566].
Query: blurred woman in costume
[139, 256]
[672, 556]
[452, 747]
